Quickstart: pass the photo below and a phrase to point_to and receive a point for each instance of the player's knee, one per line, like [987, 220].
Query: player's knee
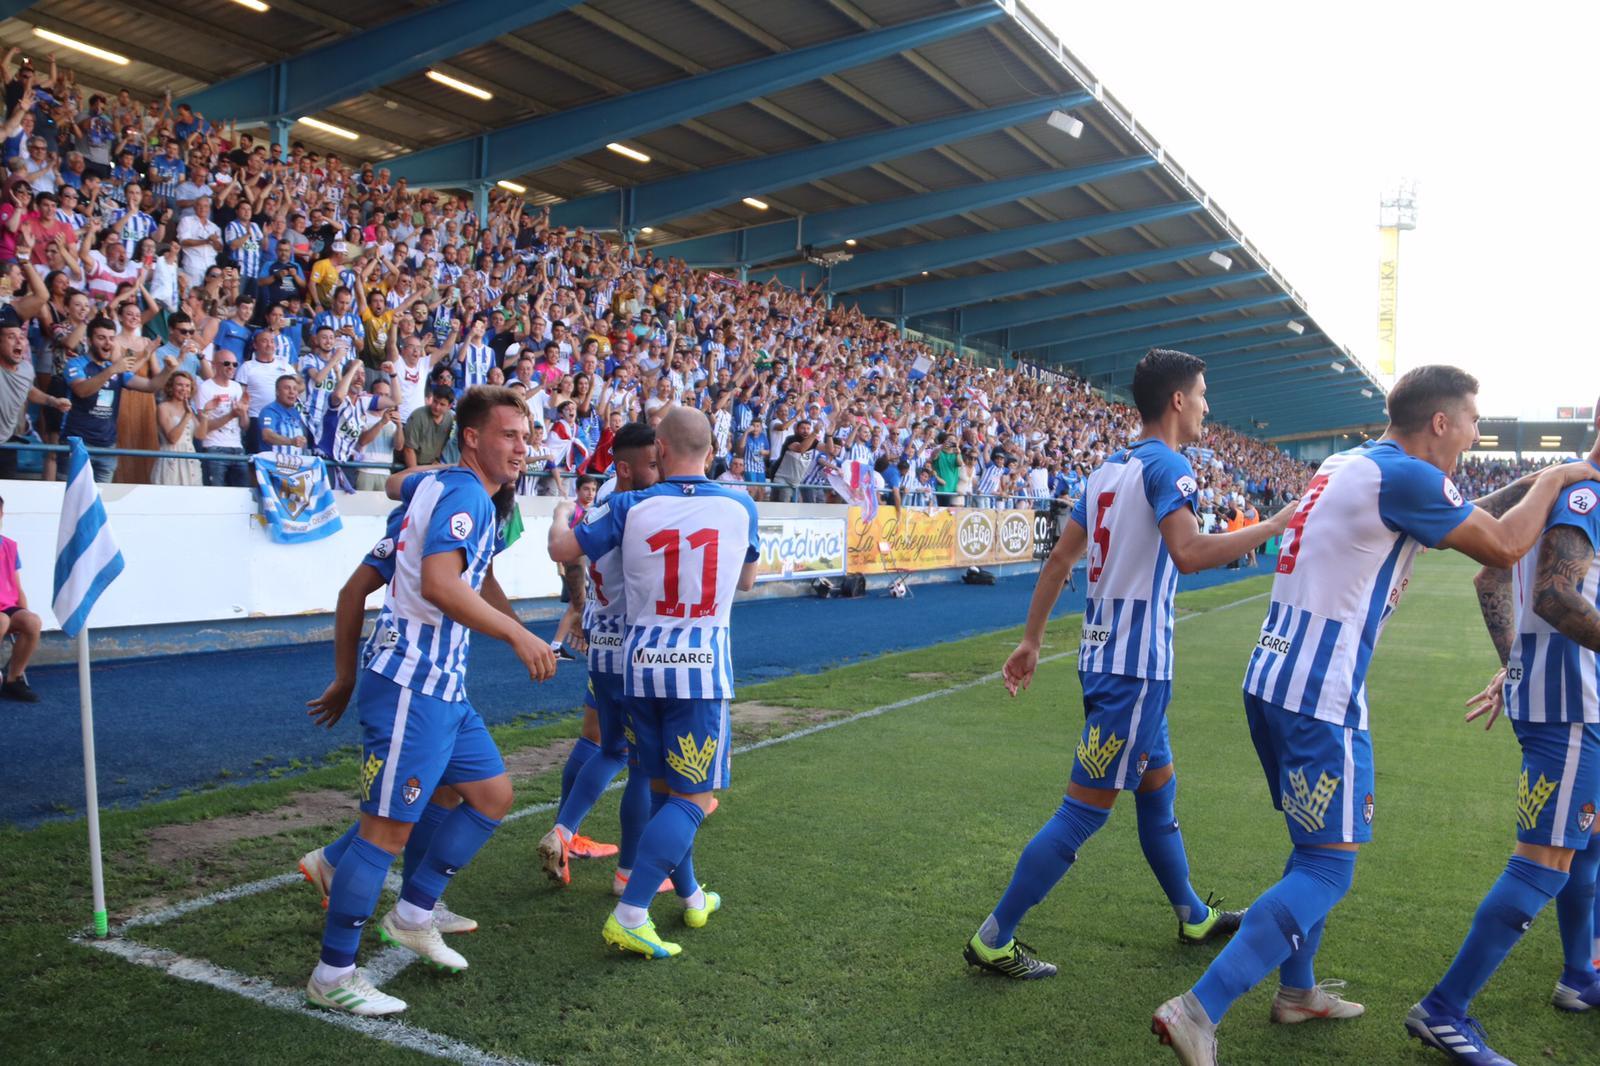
[702, 800]
[1547, 856]
[388, 834]
[591, 725]
[493, 799]
[1104, 798]
[445, 796]
[1155, 780]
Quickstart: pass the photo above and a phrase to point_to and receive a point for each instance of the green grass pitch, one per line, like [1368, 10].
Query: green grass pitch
[853, 865]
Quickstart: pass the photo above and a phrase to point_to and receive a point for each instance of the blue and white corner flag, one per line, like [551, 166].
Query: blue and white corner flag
[87, 558]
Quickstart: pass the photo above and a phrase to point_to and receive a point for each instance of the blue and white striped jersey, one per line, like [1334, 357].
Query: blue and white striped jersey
[1550, 677]
[605, 609]
[1343, 565]
[476, 359]
[683, 543]
[418, 646]
[1127, 618]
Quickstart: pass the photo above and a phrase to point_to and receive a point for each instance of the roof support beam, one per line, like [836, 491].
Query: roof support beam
[1043, 334]
[779, 240]
[875, 268]
[913, 300]
[985, 318]
[352, 65]
[540, 142]
[1124, 349]
[690, 194]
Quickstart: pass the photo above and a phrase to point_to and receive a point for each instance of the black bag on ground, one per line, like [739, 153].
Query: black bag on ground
[977, 575]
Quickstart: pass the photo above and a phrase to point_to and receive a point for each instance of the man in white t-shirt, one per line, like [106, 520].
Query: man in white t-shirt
[258, 376]
[201, 240]
[224, 409]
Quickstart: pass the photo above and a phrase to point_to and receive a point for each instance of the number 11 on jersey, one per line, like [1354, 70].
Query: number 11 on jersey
[668, 542]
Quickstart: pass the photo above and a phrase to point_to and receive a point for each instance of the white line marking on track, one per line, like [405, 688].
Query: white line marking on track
[262, 991]
[386, 964]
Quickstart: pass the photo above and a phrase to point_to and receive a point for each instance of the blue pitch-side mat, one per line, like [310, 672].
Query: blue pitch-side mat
[164, 725]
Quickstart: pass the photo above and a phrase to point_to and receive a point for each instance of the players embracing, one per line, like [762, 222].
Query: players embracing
[687, 546]
[1342, 570]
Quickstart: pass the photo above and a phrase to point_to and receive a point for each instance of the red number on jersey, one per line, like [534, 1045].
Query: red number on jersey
[670, 605]
[1102, 535]
[1289, 551]
[599, 591]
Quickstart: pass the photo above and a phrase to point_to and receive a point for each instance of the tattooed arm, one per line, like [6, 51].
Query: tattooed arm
[1494, 600]
[1499, 502]
[1565, 556]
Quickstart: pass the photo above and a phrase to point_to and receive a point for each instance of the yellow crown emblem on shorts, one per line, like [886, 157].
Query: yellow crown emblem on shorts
[1530, 802]
[1309, 806]
[692, 761]
[1096, 757]
[369, 774]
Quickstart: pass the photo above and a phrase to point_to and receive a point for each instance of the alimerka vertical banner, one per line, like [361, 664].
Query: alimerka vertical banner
[1388, 297]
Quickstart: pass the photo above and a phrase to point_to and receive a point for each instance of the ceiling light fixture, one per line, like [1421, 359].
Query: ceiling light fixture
[460, 86]
[1295, 327]
[328, 127]
[1071, 125]
[751, 201]
[511, 186]
[1337, 366]
[79, 46]
[1221, 260]
[646, 230]
[1367, 393]
[631, 153]
[253, 5]
[850, 242]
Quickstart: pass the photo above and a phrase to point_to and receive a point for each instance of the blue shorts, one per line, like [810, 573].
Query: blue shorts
[684, 742]
[754, 475]
[411, 744]
[1559, 788]
[1124, 730]
[1320, 773]
[611, 708]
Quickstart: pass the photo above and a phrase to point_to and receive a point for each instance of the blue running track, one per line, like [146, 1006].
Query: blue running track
[163, 725]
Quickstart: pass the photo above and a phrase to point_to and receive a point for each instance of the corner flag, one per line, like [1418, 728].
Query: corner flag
[87, 557]
[87, 560]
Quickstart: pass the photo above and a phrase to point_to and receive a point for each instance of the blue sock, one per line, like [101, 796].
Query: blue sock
[666, 840]
[357, 883]
[1503, 916]
[1276, 926]
[1299, 969]
[683, 880]
[635, 815]
[597, 773]
[1046, 860]
[458, 838]
[335, 851]
[421, 836]
[581, 753]
[1163, 850]
[1575, 907]
[1596, 911]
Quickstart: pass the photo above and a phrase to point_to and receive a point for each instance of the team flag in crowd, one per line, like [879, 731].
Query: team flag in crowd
[853, 480]
[296, 502]
[87, 557]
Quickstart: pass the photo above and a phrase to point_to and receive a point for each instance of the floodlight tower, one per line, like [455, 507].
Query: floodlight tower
[1397, 210]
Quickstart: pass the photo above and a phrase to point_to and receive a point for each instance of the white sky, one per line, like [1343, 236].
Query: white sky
[1295, 117]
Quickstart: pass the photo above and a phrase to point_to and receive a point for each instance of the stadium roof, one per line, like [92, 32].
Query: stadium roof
[912, 136]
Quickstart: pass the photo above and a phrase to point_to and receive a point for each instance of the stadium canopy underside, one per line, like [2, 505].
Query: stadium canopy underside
[903, 149]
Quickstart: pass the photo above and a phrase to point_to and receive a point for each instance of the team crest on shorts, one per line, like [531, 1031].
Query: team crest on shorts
[1586, 818]
[411, 791]
[1144, 760]
[1366, 809]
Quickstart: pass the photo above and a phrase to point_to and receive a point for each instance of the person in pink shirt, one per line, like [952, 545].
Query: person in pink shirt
[17, 620]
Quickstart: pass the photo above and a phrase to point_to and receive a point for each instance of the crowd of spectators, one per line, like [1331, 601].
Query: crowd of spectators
[183, 287]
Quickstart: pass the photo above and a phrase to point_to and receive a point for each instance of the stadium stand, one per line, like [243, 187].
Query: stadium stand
[197, 239]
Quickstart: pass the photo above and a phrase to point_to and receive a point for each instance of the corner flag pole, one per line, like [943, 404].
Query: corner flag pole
[91, 788]
[87, 561]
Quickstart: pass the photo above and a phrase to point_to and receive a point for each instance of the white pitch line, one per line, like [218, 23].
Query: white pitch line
[260, 990]
[387, 964]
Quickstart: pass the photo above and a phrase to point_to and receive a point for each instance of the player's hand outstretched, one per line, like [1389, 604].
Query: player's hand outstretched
[1019, 668]
[328, 708]
[536, 655]
[1490, 701]
[1280, 521]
